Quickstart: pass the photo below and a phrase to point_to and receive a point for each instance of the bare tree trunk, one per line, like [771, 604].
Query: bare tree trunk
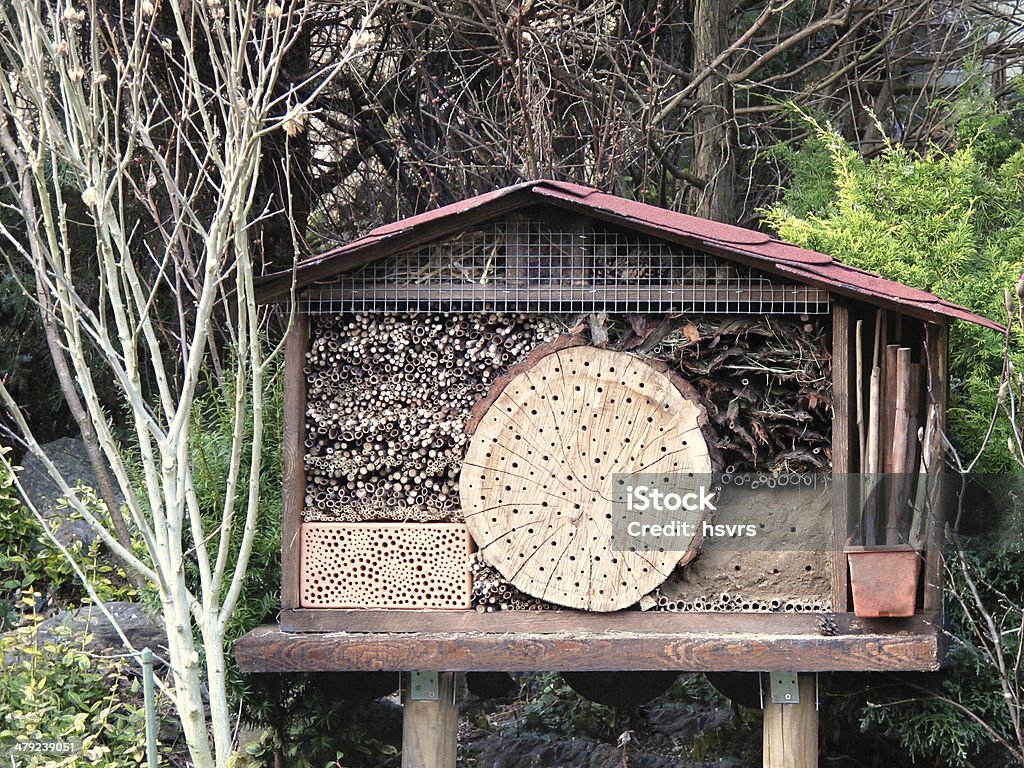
[184, 150]
[714, 135]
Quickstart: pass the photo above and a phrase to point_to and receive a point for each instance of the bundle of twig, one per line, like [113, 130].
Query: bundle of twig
[764, 380]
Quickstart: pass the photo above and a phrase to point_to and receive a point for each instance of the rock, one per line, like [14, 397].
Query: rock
[68, 454]
[137, 625]
[59, 629]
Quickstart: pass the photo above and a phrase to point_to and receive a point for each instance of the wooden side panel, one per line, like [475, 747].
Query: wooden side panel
[843, 423]
[936, 349]
[293, 451]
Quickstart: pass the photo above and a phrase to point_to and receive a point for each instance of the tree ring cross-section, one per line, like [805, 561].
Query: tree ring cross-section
[543, 482]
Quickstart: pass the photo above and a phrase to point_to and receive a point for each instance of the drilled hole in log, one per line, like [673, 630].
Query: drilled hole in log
[571, 495]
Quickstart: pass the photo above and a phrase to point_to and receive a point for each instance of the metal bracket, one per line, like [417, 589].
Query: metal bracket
[784, 687]
[423, 686]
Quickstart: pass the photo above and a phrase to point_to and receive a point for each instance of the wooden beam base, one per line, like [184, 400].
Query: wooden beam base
[791, 730]
[894, 645]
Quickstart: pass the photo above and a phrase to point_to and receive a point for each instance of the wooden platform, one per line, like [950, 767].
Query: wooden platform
[328, 641]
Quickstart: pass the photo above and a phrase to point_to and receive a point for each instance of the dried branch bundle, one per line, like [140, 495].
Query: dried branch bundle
[766, 385]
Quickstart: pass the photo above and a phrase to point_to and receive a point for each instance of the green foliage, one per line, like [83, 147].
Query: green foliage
[813, 188]
[307, 725]
[938, 724]
[53, 690]
[928, 726]
[950, 221]
[556, 708]
[30, 564]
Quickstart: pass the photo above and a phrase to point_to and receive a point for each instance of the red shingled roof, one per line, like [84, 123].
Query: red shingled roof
[756, 249]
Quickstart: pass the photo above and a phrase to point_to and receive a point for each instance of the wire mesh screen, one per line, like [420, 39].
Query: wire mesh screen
[523, 264]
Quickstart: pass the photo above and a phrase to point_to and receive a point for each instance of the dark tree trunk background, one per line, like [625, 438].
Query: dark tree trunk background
[714, 141]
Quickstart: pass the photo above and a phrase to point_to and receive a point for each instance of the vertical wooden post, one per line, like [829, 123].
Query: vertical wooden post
[843, 500]
[936, 349]
[293, 451]
[791, 730]
[430, 728]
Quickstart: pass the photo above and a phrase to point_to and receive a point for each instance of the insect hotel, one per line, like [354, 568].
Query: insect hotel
[481, 402]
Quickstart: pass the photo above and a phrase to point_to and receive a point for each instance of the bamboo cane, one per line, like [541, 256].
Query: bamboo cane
[859, 382]
[869, 509]
[898, 458]
[922, 501]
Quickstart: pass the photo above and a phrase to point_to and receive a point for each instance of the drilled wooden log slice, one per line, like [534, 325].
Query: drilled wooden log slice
[543, 468]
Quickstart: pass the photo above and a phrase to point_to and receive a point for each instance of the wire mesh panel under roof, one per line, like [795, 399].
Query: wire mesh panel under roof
[527, 264]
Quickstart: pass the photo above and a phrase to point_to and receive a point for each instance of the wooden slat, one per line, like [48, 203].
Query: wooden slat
[553, 622]
[268, 649]
[843, 421]
[936, 348]
[293, 451]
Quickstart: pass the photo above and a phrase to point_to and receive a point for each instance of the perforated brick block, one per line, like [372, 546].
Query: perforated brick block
[385, 565]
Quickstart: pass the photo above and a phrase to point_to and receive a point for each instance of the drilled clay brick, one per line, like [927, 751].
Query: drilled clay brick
[385, 565]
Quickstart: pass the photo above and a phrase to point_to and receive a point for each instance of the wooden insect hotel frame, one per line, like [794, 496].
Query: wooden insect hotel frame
[465, 388]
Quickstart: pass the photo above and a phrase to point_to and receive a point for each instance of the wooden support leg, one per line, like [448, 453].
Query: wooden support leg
[430, 726]
[791, 730]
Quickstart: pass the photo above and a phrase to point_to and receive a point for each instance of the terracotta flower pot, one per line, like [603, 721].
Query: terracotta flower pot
[884, 580]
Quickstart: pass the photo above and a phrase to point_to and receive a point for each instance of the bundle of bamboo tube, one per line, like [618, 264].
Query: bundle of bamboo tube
[492, 592]
[738, 603]
[388, 396]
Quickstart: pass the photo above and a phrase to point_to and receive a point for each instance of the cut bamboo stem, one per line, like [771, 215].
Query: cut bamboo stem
[889, 394]
[871, 470]
[911, 464]
[898, 458]
[859, 380]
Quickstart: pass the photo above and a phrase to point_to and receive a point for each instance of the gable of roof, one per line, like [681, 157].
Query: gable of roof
[750, 247]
